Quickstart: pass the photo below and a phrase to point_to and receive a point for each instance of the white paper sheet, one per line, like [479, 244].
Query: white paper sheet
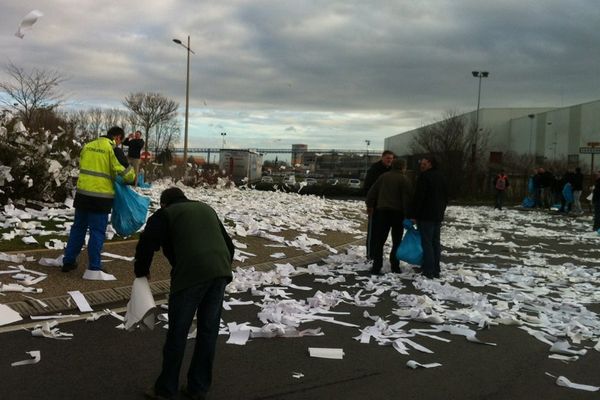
[141, 306]
[28, 22]
[8, 315]
[562, 381]
[98, 276]
[324, 352]
[80, 301]
[414, 365]
[35, 355]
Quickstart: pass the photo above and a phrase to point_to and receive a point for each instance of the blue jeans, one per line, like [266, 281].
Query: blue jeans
[432, 249]
[96, 223]
[204, 300]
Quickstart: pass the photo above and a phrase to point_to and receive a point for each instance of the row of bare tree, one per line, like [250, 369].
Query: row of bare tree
[35, 98]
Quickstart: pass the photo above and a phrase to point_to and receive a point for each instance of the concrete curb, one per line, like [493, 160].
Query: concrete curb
[104, 297]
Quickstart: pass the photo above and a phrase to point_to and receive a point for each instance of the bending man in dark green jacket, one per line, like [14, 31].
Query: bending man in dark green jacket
[200, 252]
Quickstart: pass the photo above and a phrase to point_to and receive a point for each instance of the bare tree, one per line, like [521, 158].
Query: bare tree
[166, 134]
[150, 109]
[31, 91]
[459, 149]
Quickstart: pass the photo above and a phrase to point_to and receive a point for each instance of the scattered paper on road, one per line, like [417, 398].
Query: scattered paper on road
[562, 381]
[323, 352]
[48, 330]
[414, 365]
[35, 355]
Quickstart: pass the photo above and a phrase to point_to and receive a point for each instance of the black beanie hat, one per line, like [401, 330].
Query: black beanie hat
[170, 195]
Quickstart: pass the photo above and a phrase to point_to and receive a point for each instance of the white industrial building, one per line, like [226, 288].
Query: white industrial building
[549, 134]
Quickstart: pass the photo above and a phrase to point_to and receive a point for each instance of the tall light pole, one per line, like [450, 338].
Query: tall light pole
[368, 142]
[531, 117]
[553, 143]
[187, 96]
[480, 75]
[223, 134]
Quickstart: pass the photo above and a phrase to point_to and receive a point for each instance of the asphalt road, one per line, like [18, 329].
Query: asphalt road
[101, 362]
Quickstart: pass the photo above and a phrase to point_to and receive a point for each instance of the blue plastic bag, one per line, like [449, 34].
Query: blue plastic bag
[528, 202]
[567, 193]
[410, 249]
[129, 210]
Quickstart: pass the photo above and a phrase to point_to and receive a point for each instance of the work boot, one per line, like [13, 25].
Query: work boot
[66, 267]
[193, 396]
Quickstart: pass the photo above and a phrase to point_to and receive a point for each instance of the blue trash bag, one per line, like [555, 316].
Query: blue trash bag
[531, 186]
[141, 183]
[567, 193]
[528, 202]
[410, 249]
[129, 210]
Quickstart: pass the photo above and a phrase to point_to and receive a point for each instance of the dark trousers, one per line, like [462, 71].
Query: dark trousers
[369, 242]
[205, 301]
[432, 249]
[385, 219]
[499, 199]
[596, 215]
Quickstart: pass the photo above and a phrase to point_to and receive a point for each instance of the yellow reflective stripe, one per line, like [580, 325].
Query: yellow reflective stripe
[124, 172]
[96, 194]
[95, 173]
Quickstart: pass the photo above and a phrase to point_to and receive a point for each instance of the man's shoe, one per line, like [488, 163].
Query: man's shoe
[193, 396]
[66, 267]
[150, 393]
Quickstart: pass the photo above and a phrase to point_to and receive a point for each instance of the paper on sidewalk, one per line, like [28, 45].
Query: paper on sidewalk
[8, 315]
[140, 309]
[323, 352]
[36, 356]
[98, 276]
[80, 301]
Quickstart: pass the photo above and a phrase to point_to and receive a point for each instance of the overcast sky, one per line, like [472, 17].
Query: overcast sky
[326, 73]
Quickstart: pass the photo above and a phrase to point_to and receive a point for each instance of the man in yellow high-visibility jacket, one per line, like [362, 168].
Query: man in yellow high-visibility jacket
[101, 160]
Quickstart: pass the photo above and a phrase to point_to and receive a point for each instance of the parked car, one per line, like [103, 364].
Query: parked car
[310, 181]
[289, 180]
[266, 179]
[354, 183]
[332, 181]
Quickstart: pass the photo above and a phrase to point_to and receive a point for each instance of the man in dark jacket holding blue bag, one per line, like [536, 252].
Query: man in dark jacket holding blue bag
[429, 206]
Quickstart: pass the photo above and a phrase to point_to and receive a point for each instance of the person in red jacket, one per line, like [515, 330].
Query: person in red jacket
[500, 184]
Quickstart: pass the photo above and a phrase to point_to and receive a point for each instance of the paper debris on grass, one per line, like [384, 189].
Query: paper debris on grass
[98, 276]
[117, 256]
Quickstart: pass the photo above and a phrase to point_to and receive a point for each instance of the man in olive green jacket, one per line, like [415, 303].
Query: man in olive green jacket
[200, 252]
[387, 204]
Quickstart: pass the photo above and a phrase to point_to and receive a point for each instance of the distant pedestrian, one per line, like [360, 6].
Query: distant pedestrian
[101, 160]
[374, 172]
[387, 203]
[200, 252]
[596, 201]
[135, 144]
[546, 179]
[500, 184]
[428, 209]
[577, 189]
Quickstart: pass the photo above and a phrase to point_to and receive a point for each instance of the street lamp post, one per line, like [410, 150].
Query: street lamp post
[531, 117]
[480, 75]
[368, 142]
[223, 134]
[187, 96]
